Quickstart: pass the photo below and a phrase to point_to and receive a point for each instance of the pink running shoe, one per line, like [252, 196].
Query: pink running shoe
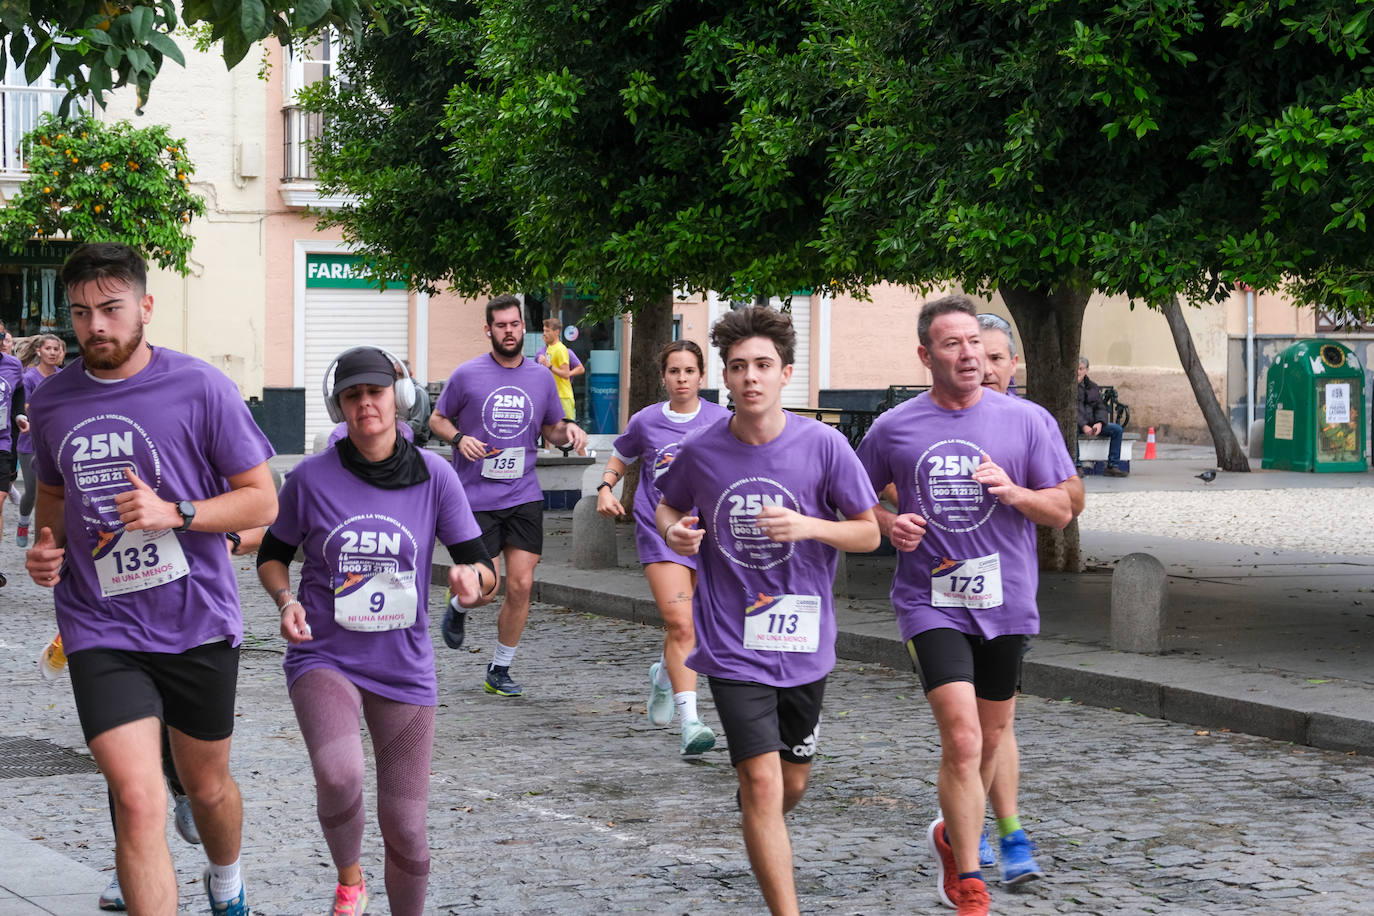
[350, 900]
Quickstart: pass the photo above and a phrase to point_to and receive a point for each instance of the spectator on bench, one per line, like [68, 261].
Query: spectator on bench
[1094, 421]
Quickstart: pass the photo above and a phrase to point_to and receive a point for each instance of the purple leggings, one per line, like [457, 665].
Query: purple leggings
[327, 708]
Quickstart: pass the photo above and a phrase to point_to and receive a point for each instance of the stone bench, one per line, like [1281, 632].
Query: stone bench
[1092, 453]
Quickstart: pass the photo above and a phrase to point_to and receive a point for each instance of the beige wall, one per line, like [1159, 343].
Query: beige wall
[217, 312]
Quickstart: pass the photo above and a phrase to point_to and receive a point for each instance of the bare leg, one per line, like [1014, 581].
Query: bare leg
[970, 729]
[130, 756]
[672, 585]
[764, 793]
[1006, 774]
[515, 609]
[204, 770]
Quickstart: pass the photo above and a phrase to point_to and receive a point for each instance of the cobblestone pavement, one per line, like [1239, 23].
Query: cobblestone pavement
[565, 801]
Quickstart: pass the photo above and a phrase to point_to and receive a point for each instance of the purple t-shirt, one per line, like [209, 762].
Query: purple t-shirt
[653, 436]
[369, 551]
[182, 427]
[573, 361]
[976, 569]
[808, 468]
[338, 432]
[504, 408]
[32, 379]
[11, 380]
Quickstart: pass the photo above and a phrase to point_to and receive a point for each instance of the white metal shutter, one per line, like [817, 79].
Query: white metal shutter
[336, 319]
[797, 393]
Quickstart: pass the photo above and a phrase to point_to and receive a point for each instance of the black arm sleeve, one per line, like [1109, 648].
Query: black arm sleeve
[473, 551]
[17, 405]
[274, 548]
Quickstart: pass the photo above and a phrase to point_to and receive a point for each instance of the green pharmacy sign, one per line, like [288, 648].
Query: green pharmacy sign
[338, 271]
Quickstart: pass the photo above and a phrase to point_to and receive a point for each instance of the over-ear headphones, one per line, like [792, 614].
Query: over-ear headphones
[404, 387]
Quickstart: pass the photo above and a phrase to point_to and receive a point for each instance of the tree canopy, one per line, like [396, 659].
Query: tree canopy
[96, 182]
[520, 142]
[99, 45]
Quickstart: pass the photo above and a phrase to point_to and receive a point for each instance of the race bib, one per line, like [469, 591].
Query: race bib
[131, 561]
[507, 464]
[374, 602]
[975, 584]
[786, 623]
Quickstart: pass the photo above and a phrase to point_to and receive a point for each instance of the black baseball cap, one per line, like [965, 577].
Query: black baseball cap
[363, 366]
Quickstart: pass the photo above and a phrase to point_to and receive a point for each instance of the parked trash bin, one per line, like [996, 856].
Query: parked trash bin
[1313, 419]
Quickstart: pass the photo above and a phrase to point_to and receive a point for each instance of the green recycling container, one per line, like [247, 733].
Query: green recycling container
[1313, 416]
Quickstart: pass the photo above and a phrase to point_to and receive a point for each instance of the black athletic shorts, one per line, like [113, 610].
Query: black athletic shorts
[521, 527]
[993, 666]
[9, 470]
[759, 719]
[192, 691]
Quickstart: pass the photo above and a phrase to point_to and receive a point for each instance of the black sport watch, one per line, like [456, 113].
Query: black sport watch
[187, 510]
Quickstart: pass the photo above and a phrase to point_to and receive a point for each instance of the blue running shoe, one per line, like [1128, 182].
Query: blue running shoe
[1018, 861]
[234, 906]
[499, 682]
[986, 857]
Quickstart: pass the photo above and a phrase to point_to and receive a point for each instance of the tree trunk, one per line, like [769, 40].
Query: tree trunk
[1049, 323]
[651, 330]
[1230, 457]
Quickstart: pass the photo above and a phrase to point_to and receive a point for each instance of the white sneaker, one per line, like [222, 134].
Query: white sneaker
[112, 898]
[660, 705]
[185, 820]
[697, 738]
[14, 495]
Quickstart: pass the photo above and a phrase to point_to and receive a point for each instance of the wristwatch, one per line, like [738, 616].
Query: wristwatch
[187, 510]
[456, 439]
[603, 484]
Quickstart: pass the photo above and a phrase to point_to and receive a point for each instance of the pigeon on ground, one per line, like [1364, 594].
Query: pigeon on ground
[1207, 476]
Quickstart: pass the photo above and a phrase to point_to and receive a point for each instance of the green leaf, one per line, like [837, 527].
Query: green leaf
[252, 19]
[19, 44]
[167, 46]
[233, 47]
[141, 22]
[36, 63]
[308, 13]
[14, 15]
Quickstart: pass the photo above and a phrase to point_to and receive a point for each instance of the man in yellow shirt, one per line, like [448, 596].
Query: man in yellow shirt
[562, 363]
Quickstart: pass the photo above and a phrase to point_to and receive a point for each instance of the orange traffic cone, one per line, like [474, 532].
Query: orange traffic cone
[1150, 445]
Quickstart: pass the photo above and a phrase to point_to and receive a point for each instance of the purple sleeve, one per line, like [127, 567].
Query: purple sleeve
[630, 443]
[872, 458]
[675, 484]
[573, 361]
[1049, 464]
[851, 490]
[553, 406]
[448, 404]
[236, 444]
[44, 466]
[455, 523]
[287, 527]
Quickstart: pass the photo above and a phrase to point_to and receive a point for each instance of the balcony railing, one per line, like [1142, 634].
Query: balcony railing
[20, 107]
[300, 128]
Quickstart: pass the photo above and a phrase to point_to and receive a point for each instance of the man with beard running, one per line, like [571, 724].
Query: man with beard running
[133, 448]
[492, 410]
